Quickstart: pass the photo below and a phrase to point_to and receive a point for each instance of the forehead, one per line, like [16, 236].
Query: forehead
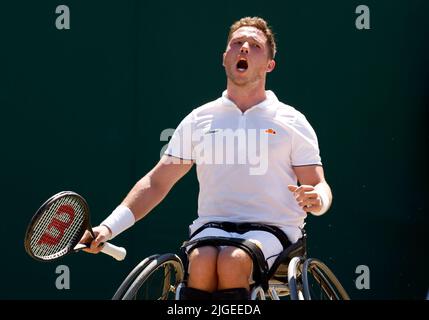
[251, 32]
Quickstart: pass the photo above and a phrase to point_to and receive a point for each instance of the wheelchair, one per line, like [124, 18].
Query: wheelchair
[293, 276]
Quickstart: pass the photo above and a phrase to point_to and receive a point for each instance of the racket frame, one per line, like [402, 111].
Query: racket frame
[39, 213]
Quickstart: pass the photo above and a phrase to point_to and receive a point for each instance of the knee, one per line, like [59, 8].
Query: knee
[202, 262]
[234, 262]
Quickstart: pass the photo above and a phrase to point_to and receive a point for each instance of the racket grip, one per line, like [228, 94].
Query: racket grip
[118, 253]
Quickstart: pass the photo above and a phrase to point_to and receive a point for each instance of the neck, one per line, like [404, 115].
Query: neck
[246, 96]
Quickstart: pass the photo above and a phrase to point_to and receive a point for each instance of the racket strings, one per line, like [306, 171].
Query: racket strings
[44, 221]
[66, 235]
[54, 232]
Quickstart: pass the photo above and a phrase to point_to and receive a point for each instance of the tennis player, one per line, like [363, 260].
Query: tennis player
[257, 160]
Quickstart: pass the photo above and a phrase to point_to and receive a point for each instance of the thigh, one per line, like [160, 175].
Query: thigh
[267, 242]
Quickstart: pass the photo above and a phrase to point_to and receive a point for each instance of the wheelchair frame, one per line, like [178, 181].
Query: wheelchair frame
[292, 275]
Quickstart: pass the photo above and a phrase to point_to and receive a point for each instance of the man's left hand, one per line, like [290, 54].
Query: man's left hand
[307, 197]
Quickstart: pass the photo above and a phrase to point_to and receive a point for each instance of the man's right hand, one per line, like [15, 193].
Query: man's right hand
[102, 234]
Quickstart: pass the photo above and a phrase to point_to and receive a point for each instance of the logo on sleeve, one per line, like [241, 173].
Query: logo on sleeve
[212, 131]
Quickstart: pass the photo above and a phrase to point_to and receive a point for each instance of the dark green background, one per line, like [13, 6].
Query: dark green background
[83, 109]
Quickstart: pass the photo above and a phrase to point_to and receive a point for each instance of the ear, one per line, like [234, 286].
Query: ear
[271, 65]
[223, 59]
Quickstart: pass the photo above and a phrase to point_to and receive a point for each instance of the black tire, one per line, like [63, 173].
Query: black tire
[319, 282]
[132, 276]
[294, 278]
[158, 280]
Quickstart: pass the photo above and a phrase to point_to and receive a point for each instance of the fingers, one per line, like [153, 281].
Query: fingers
[306, 196]
[86, 238]
[93, 250]
[303, 188]
[94, 245]
[292, 187]
[303, 192]
[311, 204]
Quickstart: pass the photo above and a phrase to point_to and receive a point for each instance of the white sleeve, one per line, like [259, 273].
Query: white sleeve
[305, 148]
[180, 145]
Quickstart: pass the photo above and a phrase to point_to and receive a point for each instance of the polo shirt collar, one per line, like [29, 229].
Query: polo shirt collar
[270, 100]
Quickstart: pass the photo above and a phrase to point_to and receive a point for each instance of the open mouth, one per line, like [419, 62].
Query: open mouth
[242, 65]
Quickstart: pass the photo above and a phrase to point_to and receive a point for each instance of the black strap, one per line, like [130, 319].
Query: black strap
[246, 227]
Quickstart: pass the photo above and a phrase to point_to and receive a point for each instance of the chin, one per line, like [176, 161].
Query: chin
[239, 78]
[240, 82]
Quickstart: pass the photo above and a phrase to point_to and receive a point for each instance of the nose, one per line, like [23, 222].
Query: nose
[245, 48]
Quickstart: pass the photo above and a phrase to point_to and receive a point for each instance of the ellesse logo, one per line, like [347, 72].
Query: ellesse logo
[270, 131]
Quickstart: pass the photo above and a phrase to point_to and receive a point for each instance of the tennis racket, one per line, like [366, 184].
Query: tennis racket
[57, 227]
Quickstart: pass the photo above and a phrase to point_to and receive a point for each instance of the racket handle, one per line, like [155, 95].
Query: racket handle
[118, 253]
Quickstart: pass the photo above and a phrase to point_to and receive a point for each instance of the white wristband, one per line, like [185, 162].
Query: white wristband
[119, 220]
[324, 197]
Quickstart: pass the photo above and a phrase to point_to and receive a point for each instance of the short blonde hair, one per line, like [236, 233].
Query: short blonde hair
[260, 24]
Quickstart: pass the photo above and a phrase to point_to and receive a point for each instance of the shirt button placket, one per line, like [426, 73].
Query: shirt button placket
[242, 147]
[242, 122]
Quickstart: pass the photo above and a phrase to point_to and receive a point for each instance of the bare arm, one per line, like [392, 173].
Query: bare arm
[146, 194]
[313, 183]
[150, 190]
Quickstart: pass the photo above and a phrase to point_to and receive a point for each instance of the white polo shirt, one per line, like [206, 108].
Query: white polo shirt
[245, 161]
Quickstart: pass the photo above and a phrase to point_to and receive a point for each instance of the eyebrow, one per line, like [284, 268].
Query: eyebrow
[251, 37]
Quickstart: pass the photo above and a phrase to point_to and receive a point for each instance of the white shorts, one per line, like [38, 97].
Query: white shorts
[266, 241]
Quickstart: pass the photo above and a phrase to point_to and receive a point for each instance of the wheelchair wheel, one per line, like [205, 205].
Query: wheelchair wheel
[320, 283]
[132, 276]
[158, 280]
[294, 279]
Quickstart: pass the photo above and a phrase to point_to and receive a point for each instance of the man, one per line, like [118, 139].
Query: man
[271, 134]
